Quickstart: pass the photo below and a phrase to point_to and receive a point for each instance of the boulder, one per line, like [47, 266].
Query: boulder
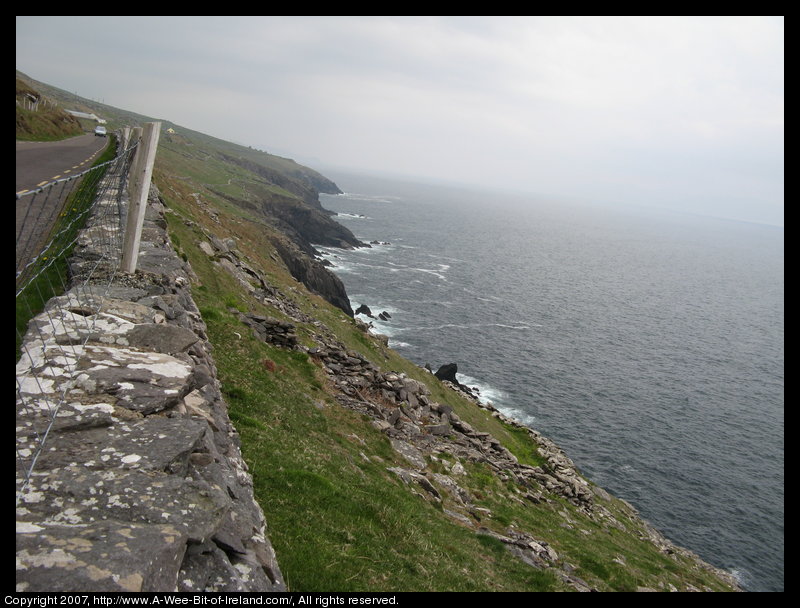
[447, 372]
[364, 310]
[161, 338]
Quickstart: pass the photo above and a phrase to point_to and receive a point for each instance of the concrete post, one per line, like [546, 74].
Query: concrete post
[141, 173]
[133, 174]
[124, 138]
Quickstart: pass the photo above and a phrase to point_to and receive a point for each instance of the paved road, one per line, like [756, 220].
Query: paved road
[40, 162]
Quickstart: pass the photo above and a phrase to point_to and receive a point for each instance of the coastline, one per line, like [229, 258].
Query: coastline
[739, 573]
[351, 469]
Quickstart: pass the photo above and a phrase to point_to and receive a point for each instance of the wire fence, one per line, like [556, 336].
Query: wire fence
[69, 245]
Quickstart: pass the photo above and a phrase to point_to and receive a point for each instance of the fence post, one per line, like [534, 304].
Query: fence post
[141, 172]
[124, 137]
[133, 175]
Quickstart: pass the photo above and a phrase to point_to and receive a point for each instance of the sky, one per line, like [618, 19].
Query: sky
[684, 113]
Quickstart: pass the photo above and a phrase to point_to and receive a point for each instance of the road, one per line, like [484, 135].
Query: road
[39, 163]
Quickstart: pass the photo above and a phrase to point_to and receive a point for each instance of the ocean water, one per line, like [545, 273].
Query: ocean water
[647, 344]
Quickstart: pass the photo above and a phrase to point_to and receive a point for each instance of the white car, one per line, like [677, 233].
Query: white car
[100, 131]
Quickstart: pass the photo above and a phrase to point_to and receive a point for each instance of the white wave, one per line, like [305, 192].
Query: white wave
[439, 273]
[347, 261]
[487, 393]
[517, 414]
[742, 576]
[516, 327]
[442, 326]
[369, 249]
[343, 267]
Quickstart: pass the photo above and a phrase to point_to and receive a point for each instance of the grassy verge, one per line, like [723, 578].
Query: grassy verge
[47, 123]
[45, 126]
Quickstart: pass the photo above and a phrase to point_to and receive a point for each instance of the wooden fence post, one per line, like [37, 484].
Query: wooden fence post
[141, 173]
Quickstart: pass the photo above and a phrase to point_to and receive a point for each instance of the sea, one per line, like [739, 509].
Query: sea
[648, 344]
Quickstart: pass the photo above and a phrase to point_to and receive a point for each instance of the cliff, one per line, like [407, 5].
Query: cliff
[375, 474]
[277, 193]
[235, 428]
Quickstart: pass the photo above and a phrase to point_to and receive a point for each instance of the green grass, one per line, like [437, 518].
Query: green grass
[338, 519]
[48, 123]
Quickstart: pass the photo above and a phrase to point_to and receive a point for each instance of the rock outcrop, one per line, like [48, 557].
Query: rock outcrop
[448, 372]
[364, 310]
[314, 275]
[308, 226]
[141, 486]
[403, 409]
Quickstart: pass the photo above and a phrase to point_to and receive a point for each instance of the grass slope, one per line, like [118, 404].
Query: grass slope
[338, 519]
[47, 122]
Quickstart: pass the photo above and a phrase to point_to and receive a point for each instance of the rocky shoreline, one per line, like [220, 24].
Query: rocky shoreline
[421, 431]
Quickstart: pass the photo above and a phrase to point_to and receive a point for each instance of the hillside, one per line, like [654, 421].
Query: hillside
[38, 118]
[374, 475]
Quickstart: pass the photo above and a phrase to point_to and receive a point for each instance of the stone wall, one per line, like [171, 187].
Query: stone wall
[141, 485]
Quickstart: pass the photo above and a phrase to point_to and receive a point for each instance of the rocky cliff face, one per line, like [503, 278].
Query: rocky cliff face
[300, 225]
[301, 266]
[314, 275]
[308, 226]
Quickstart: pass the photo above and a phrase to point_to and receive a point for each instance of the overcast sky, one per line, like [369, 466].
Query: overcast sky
[684, 112]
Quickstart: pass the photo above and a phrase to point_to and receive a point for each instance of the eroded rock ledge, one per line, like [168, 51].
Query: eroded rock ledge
[141, 486]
